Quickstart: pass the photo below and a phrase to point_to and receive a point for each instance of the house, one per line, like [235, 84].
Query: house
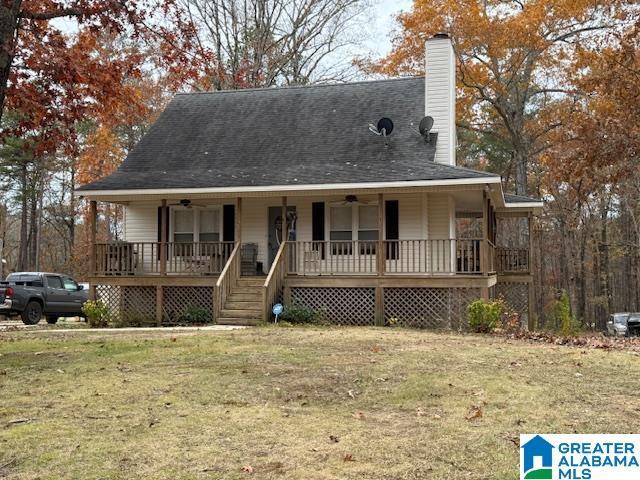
[331, 196]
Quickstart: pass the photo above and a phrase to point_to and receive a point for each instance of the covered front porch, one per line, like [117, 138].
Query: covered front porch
[442, 240]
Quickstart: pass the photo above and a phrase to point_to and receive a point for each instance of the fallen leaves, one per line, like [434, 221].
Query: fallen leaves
[474, 413]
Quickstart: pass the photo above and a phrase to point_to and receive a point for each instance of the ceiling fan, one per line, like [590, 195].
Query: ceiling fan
[186, 203]
[350, 200]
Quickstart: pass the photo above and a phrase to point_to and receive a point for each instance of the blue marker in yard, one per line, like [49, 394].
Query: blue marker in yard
[538, 447]
[277, 310]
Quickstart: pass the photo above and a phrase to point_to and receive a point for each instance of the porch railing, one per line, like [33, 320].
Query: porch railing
[275, 280]
[144, 258]
[512, 260]
[420, 257]
[227, 280]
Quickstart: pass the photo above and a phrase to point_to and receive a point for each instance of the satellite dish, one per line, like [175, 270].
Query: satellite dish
[385, 126]
[425, 125]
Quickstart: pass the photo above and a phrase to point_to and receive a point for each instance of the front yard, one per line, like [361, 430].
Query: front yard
[301, 403]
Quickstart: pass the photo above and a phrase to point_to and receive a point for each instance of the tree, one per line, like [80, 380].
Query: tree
[267, 42]
[513, 59]
[27, 33]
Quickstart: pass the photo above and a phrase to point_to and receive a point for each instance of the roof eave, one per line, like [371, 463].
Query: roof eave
[287, 188]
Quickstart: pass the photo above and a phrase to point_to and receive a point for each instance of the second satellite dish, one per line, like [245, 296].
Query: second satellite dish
[425, 125]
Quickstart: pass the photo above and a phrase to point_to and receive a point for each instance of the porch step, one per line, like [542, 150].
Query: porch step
[237, 321]
[242, 296]
[245, 313]
[243, 305]
[251, 281]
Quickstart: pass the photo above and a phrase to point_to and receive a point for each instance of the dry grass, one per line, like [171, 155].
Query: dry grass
[296, 403]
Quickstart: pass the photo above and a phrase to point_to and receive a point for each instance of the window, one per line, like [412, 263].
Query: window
[183, 228]
[368, 228]
[54, 282]
[70, 284]
[209, 226]
[341, 224]
[351, 222]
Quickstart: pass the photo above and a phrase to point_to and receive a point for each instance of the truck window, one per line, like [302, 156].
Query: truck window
[54, 282]
[69, 284]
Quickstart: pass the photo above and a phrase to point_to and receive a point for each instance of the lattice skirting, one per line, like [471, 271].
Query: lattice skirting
[516, 295]
[428, 307]
[181, 302]
[344, 306]
[136, 305]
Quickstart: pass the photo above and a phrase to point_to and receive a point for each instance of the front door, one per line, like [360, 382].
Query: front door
[275, 222]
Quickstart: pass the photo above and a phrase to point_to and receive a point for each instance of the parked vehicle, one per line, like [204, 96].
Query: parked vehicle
[624, 324]
[633, 325]
[33, 295]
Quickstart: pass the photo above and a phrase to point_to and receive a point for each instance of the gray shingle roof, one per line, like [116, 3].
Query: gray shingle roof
[285, 136]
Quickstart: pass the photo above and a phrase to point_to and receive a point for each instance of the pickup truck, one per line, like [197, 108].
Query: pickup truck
[34, 294]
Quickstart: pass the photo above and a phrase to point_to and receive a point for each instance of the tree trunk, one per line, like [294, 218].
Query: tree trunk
[520, 157]
[22, 251]
[8, 27]
[603, 260]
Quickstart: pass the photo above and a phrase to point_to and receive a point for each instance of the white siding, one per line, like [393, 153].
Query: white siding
[141, 223]
[441, 96]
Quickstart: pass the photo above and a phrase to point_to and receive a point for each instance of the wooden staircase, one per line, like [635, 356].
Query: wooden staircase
[244, 305]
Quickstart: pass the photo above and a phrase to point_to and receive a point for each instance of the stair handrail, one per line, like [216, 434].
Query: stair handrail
[275, 281]
[227, 279]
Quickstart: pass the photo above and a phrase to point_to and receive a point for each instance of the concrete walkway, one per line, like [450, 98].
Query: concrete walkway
[80, 326]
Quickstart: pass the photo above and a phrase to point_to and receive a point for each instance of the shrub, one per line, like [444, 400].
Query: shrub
[195, 314]
[564, 321]
[298, 314]
[97, 313]
[484, 315]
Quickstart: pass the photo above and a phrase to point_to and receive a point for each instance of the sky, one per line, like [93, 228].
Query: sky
[382, 25]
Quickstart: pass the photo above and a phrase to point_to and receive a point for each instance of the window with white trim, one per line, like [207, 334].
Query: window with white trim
[183, 226]
[197, 225]
[353, 222]
[209, 226]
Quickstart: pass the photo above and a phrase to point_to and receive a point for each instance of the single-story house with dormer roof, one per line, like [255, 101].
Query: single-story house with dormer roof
[337, 197]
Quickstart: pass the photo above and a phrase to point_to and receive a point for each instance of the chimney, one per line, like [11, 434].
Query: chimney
[441, 95]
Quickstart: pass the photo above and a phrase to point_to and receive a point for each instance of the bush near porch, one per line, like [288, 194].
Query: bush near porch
[317, 403]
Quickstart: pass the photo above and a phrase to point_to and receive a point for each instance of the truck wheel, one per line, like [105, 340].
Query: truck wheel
[51, 320]
[32, 313]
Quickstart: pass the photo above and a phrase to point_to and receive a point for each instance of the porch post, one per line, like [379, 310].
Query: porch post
[163, 237]
[284, 231]
[93, 221]
[238, 225]
[484, 247]
[159, 302]
[531, 319]
[381, 260]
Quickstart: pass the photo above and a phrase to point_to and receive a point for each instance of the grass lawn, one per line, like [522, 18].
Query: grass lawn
[297, 403]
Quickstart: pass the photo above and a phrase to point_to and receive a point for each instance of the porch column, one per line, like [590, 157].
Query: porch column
[381, 260]
[93, 222]
[531, 320]
[284, 230]
[163, 237]
[484, 247]
[159, 303]
[238, 218]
